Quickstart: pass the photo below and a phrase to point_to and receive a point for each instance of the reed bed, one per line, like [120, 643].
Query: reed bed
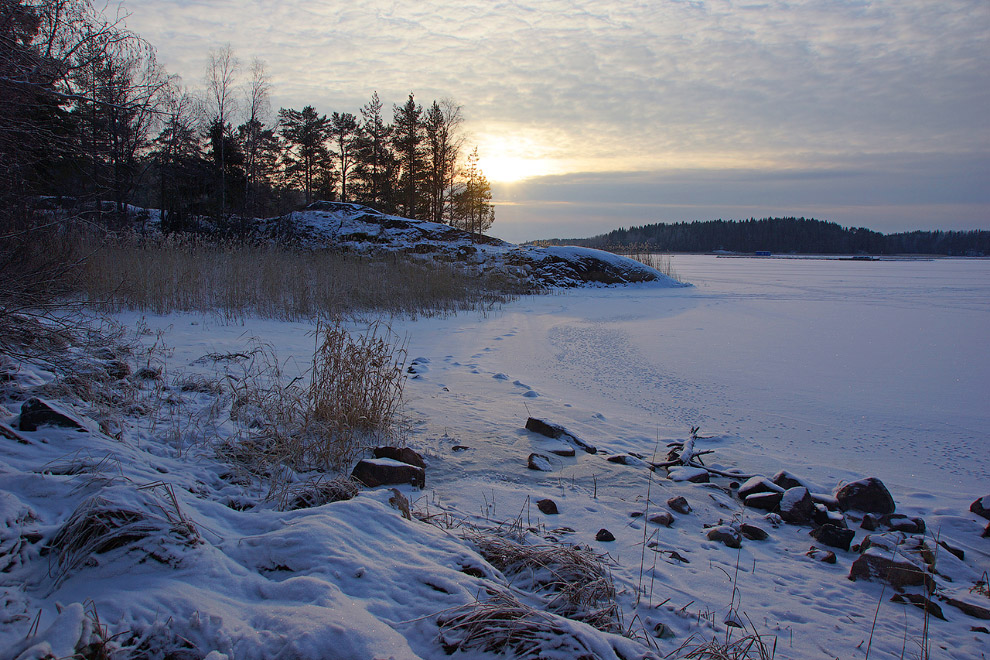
[232, 279]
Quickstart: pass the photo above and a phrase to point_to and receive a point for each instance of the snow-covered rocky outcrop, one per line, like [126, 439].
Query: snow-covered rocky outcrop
[364, 230]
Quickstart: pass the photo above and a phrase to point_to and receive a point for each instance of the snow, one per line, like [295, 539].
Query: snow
[831, 370]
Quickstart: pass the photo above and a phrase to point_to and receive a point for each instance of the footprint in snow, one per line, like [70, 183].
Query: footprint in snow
[530, 394]
[500, 377]
[521, 384]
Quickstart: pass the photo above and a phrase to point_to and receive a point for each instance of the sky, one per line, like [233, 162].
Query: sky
[595, 114]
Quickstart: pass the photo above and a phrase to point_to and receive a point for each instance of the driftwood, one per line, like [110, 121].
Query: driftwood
[685, 453]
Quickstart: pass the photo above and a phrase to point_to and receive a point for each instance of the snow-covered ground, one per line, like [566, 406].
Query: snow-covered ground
[832, 370]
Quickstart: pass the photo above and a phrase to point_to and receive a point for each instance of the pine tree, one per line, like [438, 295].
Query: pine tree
[343, 133]
[472, 201]
[443, 145]
[307, 157]
[407, 139]
[375, 165]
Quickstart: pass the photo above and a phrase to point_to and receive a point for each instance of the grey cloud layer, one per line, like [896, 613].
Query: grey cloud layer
[781, 83]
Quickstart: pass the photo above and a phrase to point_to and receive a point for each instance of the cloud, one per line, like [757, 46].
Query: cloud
[610, 85]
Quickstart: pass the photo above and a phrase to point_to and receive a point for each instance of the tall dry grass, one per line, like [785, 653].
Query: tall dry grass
[656, 261]
[233, 279]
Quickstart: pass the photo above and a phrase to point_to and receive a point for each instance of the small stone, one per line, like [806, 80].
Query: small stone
[725, 535]
[834, 537]
[973, 610]
[36, 412]
[828, 558]
[921, 602]
[981, 507]
[690, 474]
[604, 536]
[898, 522]
[148, 373]
[539, 462]
[870, 523]
[679, 504]
[752, 532]
[566, 452]
[868, 495]
[459, 448]
[956, 552]
[547, 506]
[663, 518]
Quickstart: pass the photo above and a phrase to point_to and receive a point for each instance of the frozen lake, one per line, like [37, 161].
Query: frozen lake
[841, 368]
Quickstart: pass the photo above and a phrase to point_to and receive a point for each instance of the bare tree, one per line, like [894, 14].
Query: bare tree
[221, 72]
[256, 134]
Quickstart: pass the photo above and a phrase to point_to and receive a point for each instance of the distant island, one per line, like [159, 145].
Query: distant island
[782, 235]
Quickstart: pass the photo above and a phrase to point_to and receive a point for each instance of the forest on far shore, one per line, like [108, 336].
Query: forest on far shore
[783, 235]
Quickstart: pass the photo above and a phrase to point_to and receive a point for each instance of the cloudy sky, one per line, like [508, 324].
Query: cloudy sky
[595, 114]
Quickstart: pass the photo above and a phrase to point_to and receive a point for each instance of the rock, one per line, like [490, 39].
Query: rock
[981, 507]
[752, 532]
[562, 450]
[796, 506]
[986, 532]
[539, 462]
[604, 536]
[679, 504]
[373, 472]
[726, 535]
[401, 454]
[828, 557]
[36, 412]
[148, 373]
[624, 459]
[868, 495]
[547, 506]
[834, 537]
[686, 473]
[822, 516]
[900, 561]
[870, 523]
[955, 552]
[557, 432]
[972, 609]
[117, 369]
[764, 501]
[663, 518]
[898, 522]
[786, 480]
[456, 448]
[758, 485]
[920, 601]
[897, 571]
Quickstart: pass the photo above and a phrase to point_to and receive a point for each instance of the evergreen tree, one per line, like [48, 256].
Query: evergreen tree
[307, 157]
[443, 145]
[472, 201]
[375, 164]
[343, 133]
[407, 139]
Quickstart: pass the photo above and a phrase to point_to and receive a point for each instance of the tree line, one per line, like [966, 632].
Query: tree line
[785, 235]
[87, 112]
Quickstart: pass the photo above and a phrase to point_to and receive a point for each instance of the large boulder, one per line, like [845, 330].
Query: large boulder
[868, 495]
[758, 485]
[764, 501]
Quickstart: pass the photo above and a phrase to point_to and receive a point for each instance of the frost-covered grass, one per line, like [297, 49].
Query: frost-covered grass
[656, 261]
[234, 279]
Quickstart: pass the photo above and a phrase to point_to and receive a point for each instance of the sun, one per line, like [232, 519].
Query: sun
[507, 160]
